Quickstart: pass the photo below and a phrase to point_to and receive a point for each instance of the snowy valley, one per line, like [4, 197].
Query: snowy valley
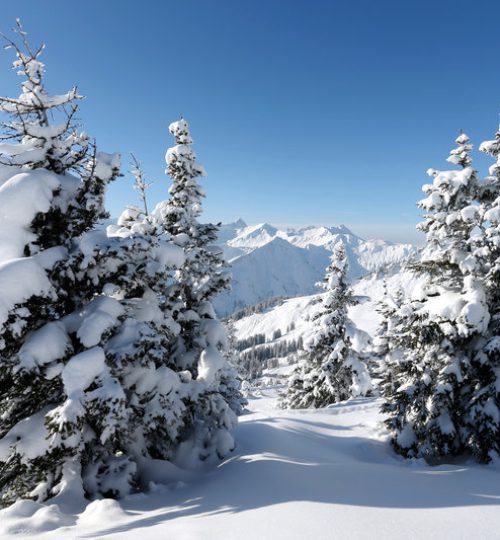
[274, 295]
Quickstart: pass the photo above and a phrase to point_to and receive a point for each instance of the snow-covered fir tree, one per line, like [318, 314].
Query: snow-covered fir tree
[92, 401]
[204, 274]
[139, 342]
[381, 341]
[437, 330]
[330, 369]
[51, 192]
[482, 399]
[203, 340]
[388, 309]
[231, 379]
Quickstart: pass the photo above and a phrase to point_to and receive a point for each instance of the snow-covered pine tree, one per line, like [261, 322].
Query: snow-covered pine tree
[203, 338]
[204, 273]
[139, 265]
[388, 308]
[451, 216]
[92, 401]
[231, 380]
[330, 370]
[482, 400]
[381, 340]
[435, 338]
[52, 186]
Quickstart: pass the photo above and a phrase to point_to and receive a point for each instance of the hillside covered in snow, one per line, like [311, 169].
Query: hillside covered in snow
[267, 262]
[278, 327]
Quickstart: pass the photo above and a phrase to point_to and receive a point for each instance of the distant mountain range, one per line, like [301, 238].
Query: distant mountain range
[268, 262]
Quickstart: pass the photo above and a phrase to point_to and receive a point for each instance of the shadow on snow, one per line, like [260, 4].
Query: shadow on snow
[292, 458]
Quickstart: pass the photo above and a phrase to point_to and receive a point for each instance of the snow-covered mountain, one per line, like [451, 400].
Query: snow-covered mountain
[268, 262]
[285, 322]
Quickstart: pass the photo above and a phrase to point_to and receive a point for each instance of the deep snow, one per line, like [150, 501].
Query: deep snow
[320, 474]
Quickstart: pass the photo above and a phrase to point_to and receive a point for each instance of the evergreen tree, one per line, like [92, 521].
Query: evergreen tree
[435, 333]
[483, 395]
[202, 341]
[91, 400]
[381, 341]
[231, 377]
[203, 275]
[330, 370]
[51, 193]
[139, 346]
[383, 345]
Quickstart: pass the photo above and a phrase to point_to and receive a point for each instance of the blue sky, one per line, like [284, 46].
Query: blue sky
[317, 112]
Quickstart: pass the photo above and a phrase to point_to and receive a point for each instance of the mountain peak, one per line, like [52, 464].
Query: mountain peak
[269, 262]
[252, 231]
[240, 223]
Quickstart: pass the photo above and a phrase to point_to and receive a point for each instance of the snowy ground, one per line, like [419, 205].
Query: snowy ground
[321, 474]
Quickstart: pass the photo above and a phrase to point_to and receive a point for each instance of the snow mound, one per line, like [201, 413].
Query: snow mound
[30, 518]
[101, 511]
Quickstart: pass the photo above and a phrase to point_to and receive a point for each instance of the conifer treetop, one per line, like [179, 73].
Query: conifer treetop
[180, 130]
[460, 155]
[450, 212]
[181, 211]
[33, 97]
[335, 280]
[42, 125]
[336, 269]
[181, 158]
[492, 148]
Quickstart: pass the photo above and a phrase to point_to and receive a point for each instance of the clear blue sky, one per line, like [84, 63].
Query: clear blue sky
[303, 112]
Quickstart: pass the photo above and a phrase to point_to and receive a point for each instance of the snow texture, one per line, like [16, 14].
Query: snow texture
[82, 369]
[20, 279]
[295, 475]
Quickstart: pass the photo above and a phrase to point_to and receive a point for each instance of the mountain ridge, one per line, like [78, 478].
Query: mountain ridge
[267, 261]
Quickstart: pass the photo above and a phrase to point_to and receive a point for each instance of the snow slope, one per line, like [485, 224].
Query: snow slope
[278, 268]
[294, 317]
[320, 474]
[268, 262]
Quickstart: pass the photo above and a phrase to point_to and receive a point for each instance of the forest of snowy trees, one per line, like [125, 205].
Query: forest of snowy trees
[114, 366]
[113, 361]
